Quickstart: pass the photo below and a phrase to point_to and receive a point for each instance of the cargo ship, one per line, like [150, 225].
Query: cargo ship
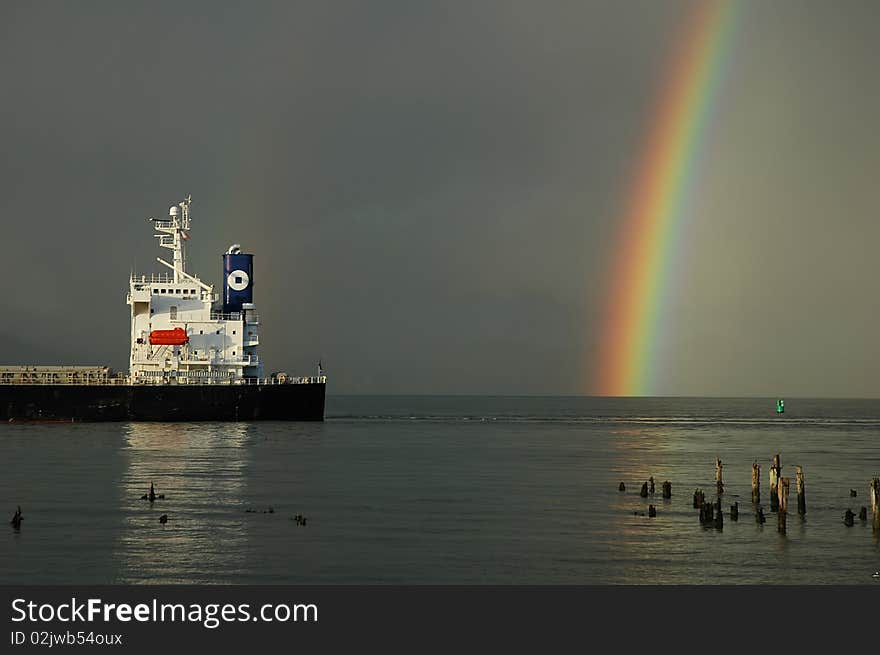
[193, 355]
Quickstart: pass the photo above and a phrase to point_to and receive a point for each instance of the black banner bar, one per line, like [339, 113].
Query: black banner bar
[154, 618]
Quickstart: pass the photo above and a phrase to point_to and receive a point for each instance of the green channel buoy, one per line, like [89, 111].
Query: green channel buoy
[780, 406]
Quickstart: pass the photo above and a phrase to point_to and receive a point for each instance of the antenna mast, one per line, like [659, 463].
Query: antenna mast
[173, 235]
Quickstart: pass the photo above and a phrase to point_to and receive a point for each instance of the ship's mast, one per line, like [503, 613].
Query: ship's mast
[173, 235]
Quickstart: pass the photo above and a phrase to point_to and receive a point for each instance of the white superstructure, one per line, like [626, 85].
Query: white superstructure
[179, 333]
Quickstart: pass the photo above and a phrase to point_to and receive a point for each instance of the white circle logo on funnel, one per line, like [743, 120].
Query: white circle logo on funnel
[238, 280]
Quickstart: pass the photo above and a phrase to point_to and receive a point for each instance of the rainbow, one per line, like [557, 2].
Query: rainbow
[656, 203]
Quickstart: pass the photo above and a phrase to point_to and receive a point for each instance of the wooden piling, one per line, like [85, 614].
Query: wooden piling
[801, 498]
[875, 502]
[775, 471]
[651, 481]
[782, 492]
[719, 516]
[644, 492]
[863, 514]
[667, 489]
[734, 511]
[756, 483]
[621, 487]
[848, 518]
[707, 514]
[699, 498]
[759, 516]
[652, 511]
[719, 484]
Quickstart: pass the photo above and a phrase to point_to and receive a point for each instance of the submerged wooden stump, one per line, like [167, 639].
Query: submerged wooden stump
[652, 511]
[759, 516]
[775, 471]
[875, 502]
[783, 503]
[756, 483]
[848, 518]
[707, 514]
[651, 483]
[699, 498]
[734, 511]
[719, 483]
[644, 492]
[801, 497]
[863, 514]
[667, 489]
[719, 516]
[621, 487]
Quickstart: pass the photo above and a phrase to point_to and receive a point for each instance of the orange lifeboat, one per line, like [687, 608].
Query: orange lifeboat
[175, 337]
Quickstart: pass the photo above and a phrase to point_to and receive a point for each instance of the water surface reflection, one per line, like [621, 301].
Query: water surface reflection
[200, 470]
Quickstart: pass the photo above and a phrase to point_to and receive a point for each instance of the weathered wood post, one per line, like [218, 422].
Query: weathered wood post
[621, 487]
[699, 498]
[848, 518]
[802, 499]
[756, 483]
[875, 502]
[863, 514]
[719, 516]
[759, 516]
[783, 503]
[644, 492]
[652, 511]
[651, 480]
[734, 511]
[719, 484]
[667, 489]
[707, 513]
[775, 470]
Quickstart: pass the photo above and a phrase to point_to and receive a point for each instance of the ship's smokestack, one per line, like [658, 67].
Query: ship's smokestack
[238, 273]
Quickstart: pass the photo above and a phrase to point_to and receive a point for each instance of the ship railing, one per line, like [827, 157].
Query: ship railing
[190, 380]
[249, 317]
[59, 381]
[225, 316]
[215, 360]
[153, 278]
[159, 380]
[307, 379]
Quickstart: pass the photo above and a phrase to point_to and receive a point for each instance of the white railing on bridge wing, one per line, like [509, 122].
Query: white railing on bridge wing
[153, 278]
[249, 317]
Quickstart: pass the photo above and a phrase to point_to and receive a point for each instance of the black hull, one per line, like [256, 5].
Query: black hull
[70, 402]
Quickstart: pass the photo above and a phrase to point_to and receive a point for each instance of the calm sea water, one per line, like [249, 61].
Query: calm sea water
[470, 490]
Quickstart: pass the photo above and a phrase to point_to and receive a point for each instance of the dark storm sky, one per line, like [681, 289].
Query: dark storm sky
[432, 190]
